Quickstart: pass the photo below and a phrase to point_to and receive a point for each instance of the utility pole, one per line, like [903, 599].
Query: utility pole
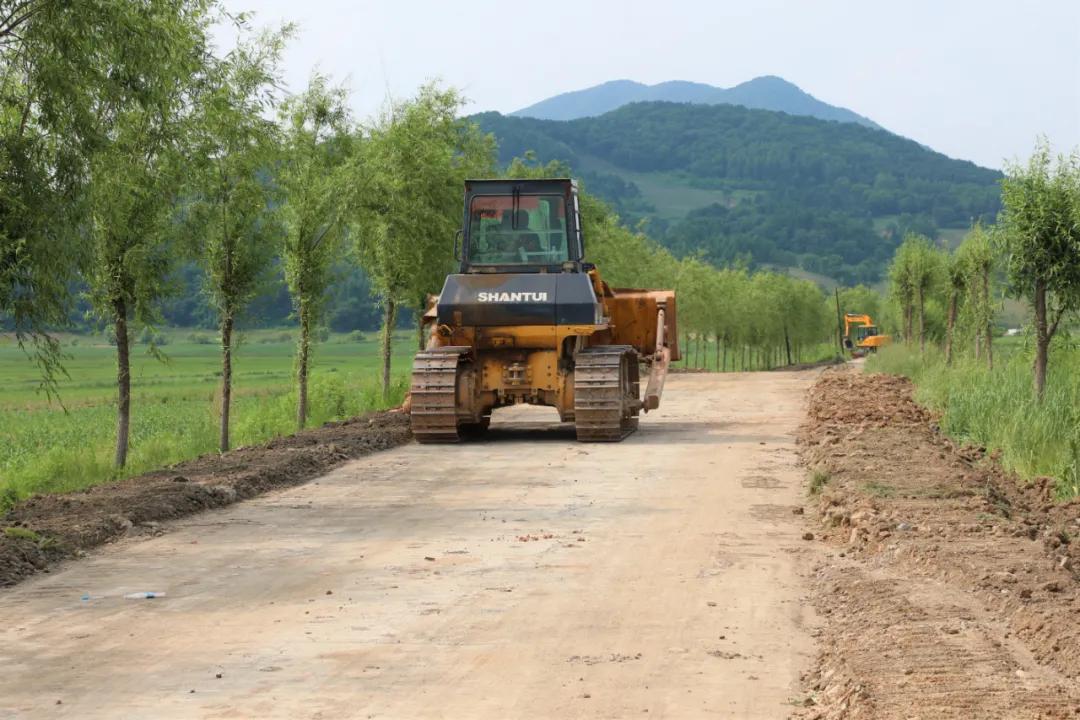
[839, 324]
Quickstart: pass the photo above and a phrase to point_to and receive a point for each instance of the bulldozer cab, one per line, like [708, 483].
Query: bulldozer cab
[526, 320]
[521, 226]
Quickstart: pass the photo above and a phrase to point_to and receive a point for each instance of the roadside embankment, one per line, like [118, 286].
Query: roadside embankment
[46, 528]
[953, 590]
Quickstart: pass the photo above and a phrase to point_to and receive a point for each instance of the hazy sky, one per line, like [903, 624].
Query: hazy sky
[975, 79]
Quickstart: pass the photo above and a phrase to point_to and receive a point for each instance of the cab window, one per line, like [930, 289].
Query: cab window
[526, 230]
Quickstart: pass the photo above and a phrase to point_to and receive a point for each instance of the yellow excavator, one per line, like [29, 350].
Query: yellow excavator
[866, 338]
[527, 320]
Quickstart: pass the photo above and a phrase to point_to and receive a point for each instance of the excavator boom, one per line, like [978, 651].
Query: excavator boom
[866, 337]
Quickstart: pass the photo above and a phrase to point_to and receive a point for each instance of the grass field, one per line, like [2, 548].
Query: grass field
[670, 193]
[46, 447]
[997, 409]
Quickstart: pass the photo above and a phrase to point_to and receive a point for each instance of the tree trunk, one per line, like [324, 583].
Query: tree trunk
[1042, 339]
[922, 320]
[686, 344]
[723, 363]
[787, 344]
[389, 320]
[303, 358]
[907, 323]
[718, 353]
[226, 378]
[123, 382]
[989, 317]
[950, 325]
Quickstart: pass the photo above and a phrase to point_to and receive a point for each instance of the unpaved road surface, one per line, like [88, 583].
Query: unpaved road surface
[525, 576]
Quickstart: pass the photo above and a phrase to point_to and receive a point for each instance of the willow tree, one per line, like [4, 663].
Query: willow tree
[902, 287]
[135, 180]
[234, 149]
[956, 274]
[913, 275]
[313, 174]
[976, 258]
[860, 300]
[69, 71]
[1040, 235]
[416, 158]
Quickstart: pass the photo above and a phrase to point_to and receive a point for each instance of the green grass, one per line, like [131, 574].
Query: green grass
[46, 447]
[997, 409]
[671, 194]
[818, 480]
[21, 533]
[879, 489]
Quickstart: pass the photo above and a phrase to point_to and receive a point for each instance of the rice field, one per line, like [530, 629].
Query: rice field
[53, 446]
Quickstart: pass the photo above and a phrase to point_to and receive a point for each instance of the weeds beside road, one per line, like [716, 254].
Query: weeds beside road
[996, 408]
[48, 448]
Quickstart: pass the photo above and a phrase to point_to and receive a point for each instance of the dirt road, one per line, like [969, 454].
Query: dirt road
[523, 576]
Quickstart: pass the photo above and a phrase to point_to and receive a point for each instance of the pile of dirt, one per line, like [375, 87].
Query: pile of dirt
[47, 528]
[953, 590]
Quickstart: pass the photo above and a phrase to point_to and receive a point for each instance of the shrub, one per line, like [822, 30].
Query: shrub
[818, 480]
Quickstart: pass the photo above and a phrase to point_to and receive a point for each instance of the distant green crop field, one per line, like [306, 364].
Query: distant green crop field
[46, 446]
[671, 194]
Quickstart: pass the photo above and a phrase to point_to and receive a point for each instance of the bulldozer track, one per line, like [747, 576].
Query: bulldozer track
[434, 394]
[606, 392]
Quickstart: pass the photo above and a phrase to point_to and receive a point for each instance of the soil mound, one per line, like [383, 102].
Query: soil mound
[953, 590]
[47, 528]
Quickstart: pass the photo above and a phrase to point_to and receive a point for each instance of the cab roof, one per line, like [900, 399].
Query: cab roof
[526, 184]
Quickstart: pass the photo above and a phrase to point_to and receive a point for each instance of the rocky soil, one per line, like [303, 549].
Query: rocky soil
[952, 587]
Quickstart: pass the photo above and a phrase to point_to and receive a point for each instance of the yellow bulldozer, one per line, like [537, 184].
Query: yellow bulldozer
[865, 338]
[527, 320]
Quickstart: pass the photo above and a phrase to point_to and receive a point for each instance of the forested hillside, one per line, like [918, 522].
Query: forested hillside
[761, 187]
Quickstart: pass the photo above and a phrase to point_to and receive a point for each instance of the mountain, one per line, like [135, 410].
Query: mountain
[762, 93]
[760, 187]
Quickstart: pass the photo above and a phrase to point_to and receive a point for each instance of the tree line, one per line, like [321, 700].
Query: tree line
[765, 319]
[1032, 253]
[140, 153]
[130, 148]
